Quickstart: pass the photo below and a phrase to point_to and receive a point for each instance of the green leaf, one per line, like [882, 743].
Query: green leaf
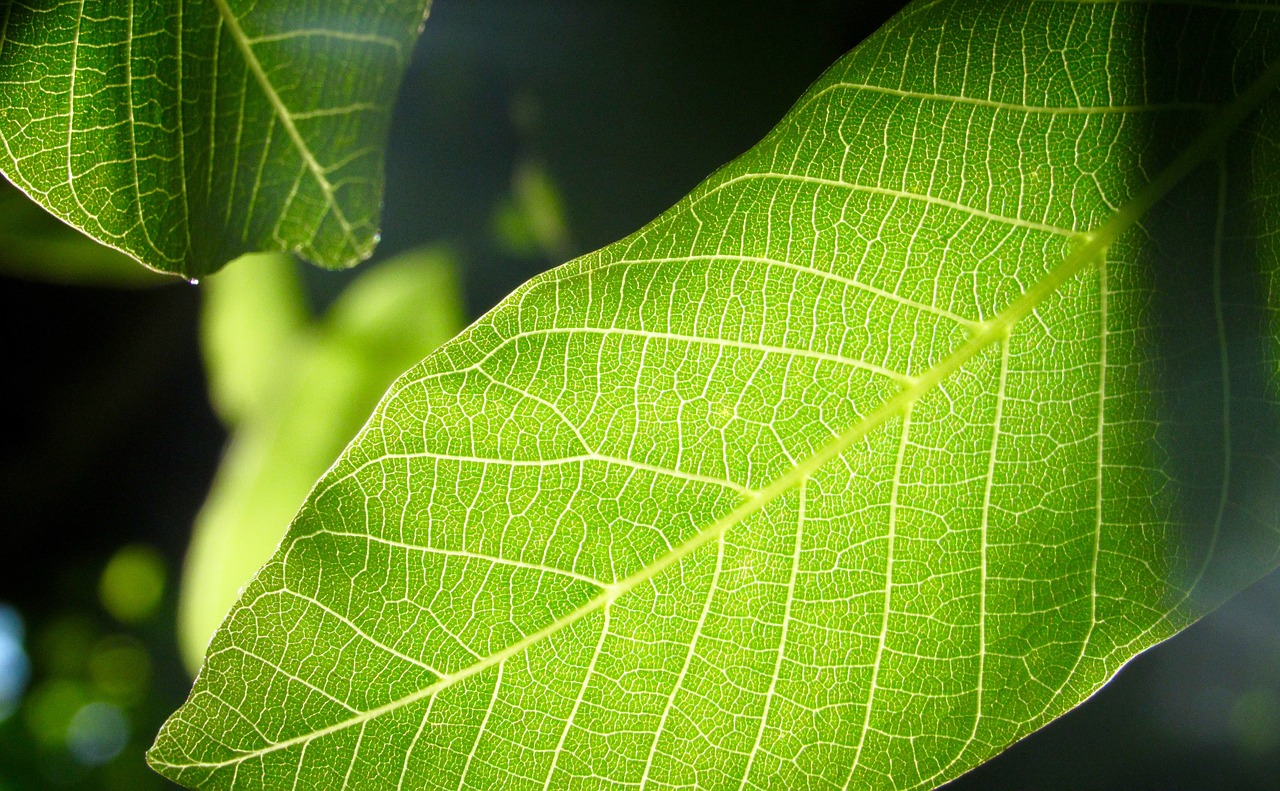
[294, 393]
[188, 133]
[892, 442]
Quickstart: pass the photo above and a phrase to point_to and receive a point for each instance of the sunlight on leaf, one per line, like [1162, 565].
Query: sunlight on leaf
[34, 245]
[892, 442]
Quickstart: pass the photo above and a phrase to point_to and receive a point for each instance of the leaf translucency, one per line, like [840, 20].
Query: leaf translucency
[190, 134]
[925, 422]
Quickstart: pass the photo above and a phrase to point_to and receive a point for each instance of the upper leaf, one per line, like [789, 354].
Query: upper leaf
[890, 443]
[253, 312]
[186, 133]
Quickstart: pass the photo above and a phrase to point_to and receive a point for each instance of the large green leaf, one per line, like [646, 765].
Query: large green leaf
[890, 443]
[186, 133]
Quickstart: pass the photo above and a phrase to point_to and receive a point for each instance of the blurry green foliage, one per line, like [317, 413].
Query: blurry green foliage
[63, 645]
[1255, 720]
[120, 667]
[50, 707]
[294, 390]
[87, 716]
[252, 311]
[532, 219]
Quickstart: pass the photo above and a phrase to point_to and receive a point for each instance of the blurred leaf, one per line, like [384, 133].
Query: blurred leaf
[532, 219]
[253, 311]
[321, 383]
[512, 229]
[186, 134]
[35, 245]
[892, 442]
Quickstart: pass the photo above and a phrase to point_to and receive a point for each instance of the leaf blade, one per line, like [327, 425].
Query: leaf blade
[190, 135]
[981, 541]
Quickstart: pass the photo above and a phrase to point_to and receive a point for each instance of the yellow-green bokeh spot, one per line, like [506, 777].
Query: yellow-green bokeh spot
[132, 584]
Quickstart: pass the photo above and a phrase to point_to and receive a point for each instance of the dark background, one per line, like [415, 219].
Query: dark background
[108, 437]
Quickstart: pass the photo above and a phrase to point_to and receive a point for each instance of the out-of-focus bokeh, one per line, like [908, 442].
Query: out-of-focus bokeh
[528, 131]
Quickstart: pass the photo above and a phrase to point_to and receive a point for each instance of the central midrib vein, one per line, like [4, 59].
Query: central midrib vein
[282, 112]
[1091, 245]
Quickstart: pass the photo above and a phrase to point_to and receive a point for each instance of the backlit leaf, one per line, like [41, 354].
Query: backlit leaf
[35, 246]
[893, 441]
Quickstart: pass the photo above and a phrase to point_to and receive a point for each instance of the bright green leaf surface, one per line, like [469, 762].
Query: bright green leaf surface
[294, 395]
[186, 133]
[890, 443]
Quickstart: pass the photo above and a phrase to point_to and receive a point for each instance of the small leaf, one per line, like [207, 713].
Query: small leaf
[188, 133]
[892, 442]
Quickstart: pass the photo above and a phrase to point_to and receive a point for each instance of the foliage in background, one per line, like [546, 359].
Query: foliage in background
[532, 220]
[93, 688]
[889, 444]
[188, 133]
[292, 391]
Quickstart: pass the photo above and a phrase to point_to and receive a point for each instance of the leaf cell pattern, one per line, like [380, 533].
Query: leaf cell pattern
[890, 443]
[187, 133]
